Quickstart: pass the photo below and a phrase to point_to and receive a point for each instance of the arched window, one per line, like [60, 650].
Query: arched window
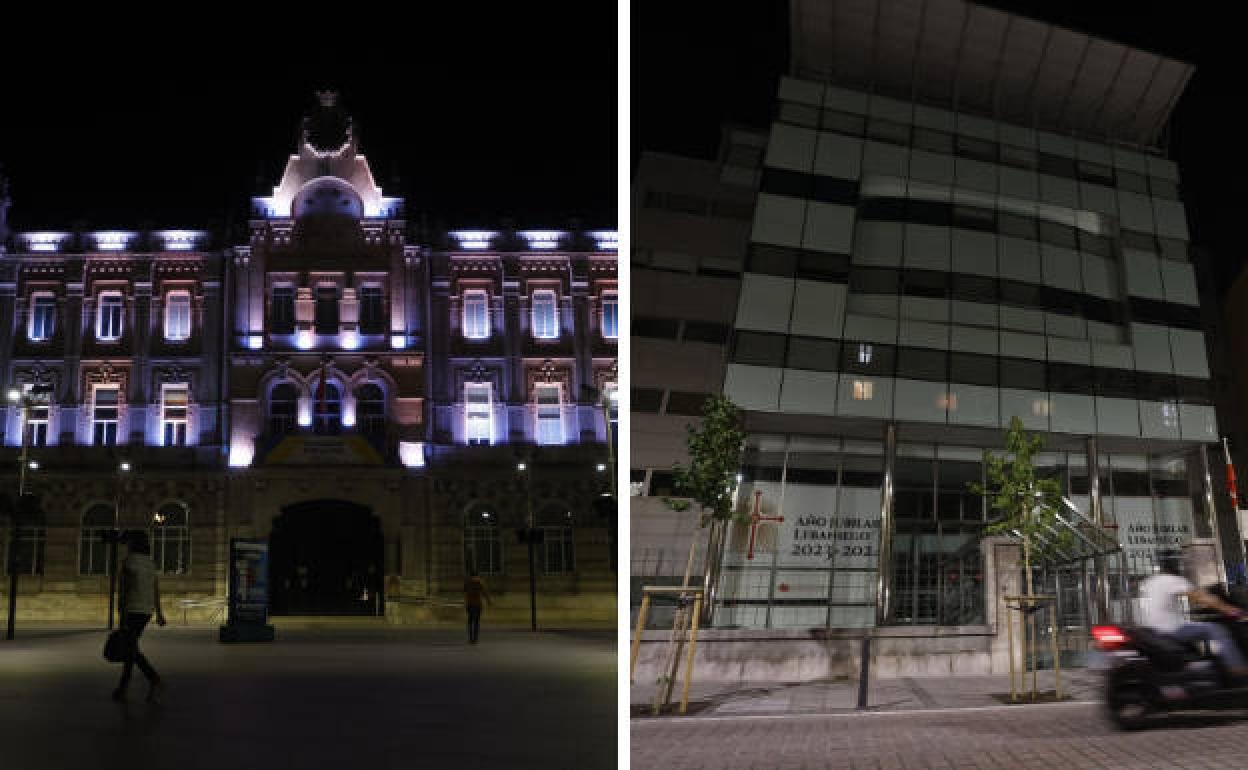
[97, 522]
[171, 539]
[327, 410]
[483, 545]
[283, 406]
[370, 410]
[558, 555]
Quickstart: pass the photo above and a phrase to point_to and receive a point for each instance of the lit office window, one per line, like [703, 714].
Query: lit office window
[611, 315]
[549, 415]
[104, 415]
[1170, 414]
[865, 353]
[478, 424]
[174, 408]
[42, 317]
[178, 316]
[476, 315]
[545, 315]
[108, 319]
[863, 390]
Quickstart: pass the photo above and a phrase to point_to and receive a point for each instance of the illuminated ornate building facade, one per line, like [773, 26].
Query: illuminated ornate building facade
[389, 410]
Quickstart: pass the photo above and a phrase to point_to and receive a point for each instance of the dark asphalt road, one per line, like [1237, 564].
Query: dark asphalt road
[331, 698]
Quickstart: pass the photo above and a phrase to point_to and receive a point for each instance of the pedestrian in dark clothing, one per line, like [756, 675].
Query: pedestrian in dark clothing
[474, 591]
[140, 598]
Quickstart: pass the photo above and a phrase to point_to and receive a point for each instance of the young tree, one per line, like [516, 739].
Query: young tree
[715, 451]
[1024, 503]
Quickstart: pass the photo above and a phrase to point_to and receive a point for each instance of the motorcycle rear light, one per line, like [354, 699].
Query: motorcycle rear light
[1108, 637]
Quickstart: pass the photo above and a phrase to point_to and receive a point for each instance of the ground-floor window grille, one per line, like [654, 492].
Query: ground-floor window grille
[483, 545]
[558, 552]
[28, 553]
[97, 523]
[171, 540]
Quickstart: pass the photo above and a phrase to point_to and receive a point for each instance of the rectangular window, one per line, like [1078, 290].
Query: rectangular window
[476, 315]
[326, 309]
[372, 310]
[759, 349]
[37, 422]
[863, 390]
[104, 415]
[30, 545]
[478, 423]
[647, 400]
[613, 407]
[611, 315]
[108, 322]
[178, 316]
[282, 310]
[42, 317]
[545, 315]
[549, 415]
[557, 548]
[175, 403]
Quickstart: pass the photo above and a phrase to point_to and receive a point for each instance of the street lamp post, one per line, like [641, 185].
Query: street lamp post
[122, 468]
[23, 402]
[529, 537]
[15, 398]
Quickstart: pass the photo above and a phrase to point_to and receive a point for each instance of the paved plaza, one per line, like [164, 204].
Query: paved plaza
[318, 697]
[913, 723]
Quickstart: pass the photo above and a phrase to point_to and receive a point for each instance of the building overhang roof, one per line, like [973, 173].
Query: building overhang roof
[987, 61]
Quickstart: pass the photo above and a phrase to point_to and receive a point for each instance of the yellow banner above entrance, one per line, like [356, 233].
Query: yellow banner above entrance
[323, 450]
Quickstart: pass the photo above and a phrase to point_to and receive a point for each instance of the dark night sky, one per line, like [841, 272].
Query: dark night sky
[169, 123]
[694, 70]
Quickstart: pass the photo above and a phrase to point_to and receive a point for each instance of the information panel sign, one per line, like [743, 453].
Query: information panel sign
[249, 581]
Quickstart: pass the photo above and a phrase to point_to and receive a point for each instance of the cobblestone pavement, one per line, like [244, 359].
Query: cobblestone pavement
[1061, 735]
[318, 698]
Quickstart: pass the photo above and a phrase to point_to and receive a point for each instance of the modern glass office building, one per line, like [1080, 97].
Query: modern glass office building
[963, 217]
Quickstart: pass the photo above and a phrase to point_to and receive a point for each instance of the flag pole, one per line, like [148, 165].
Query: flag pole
[1233, 490]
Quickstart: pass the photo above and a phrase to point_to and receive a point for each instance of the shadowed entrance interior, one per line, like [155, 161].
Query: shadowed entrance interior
[325, 558]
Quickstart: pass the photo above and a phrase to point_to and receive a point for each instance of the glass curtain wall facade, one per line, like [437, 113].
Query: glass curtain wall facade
[819, 566]
[943, 273]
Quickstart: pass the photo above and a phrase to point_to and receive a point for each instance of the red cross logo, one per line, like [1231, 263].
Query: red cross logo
[756, 517]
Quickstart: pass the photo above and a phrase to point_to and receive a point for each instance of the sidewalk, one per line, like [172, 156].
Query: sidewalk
[840, 696]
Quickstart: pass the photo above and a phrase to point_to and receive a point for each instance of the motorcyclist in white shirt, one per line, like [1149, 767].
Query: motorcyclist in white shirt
[1163, 613]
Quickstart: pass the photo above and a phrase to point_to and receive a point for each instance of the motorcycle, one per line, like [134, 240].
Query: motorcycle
[1150, 674]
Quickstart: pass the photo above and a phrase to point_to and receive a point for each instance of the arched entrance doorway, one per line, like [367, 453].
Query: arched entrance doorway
[325, 558]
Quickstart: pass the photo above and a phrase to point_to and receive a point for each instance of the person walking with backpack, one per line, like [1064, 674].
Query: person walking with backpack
[474, 590]
[140, 598]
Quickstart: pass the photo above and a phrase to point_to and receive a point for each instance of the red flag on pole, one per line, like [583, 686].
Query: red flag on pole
[1231, 487]
[321, 411]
